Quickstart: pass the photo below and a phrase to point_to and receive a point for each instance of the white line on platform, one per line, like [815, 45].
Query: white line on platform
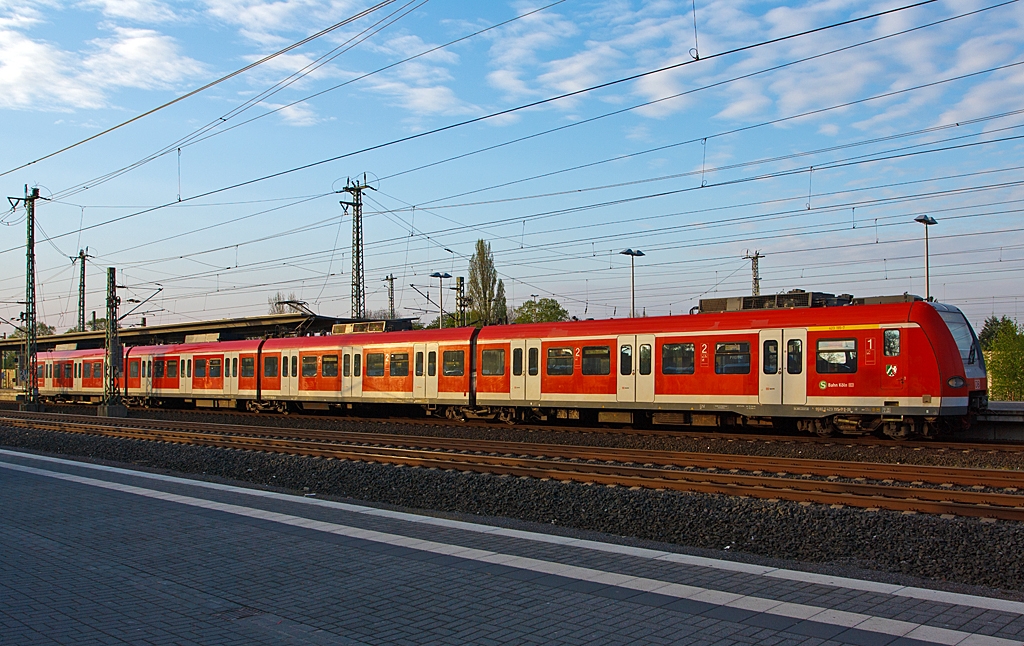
[759, 604]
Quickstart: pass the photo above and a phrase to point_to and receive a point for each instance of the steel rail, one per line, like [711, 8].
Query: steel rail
[754, 434]
[854, 494]
[940, 475]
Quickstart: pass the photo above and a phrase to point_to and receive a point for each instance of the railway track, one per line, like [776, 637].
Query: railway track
[802, 480]
[294, 420]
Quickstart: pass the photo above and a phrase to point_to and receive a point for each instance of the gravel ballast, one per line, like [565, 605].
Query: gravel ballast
[913, 549]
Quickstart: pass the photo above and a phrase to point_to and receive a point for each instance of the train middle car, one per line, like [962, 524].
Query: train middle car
[907, 368]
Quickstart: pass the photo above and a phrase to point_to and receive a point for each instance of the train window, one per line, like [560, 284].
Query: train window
[534, 362]
[517, 362]
[732, 358]
[172, 368]
[248, 366]
[68, 371]
[492, 362]
[454, 363]
[891, 343]
[133, 370]
[645, 358]
[295, 366]
[597, 360]
[419, 364]
[770, 357]
[356, 370]
[559, 361]
[794, 356]
[837, 356]
[234, 367]
[375, 364]
[215, 367]
[201, 368]
[78, 371]
[431, 363]
[158, 368]
[309, 366]
[48, 370]
[329, 366]
[346, 365]
[269, 366]
[399, 364]
[625, 359]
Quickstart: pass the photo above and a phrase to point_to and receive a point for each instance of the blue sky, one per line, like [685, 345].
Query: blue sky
[818, 151]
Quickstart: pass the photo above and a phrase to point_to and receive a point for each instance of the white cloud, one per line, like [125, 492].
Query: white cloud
[136, 58]
[265, 22]
[152, 11]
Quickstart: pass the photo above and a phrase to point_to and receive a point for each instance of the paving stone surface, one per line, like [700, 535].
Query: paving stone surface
[84, 564]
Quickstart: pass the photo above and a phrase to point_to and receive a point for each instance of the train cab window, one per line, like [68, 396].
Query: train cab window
[453, 363]
[559, 361]
[732, 358]
[770, 357]
[158, 368]
[419, 364]
[492, 362]
[891, 343]
[346, 365]
[533, 365]
[269, 366]
[356, 370]
[133, 369]
[645, 359]
[517, 362]
[596, 360]
[625, 360]
[295, 366]
[309, 366]
[431, 363]
[172, 369]
[399, 364]
[375, 364]
[200, 368]
[215, 367]
[837, 356]
[329, 365]
[794, 356]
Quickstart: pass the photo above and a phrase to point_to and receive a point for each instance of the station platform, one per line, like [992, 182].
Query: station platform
[91, 554]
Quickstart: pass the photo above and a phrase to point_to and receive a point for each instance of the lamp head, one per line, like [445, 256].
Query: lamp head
[631, 252]
[438, 274]
[926, 220]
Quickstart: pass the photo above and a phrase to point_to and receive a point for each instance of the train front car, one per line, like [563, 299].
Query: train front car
[962, 381]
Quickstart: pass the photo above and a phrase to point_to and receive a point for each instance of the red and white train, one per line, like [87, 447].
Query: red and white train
[904, 368]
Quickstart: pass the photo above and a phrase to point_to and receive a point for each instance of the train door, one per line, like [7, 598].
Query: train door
[893, 360]
[432, 368]
[626, 373]
[419, 371]
[289, 374]
[517, 380]
[782, 378]
[533, 392]
[351, 373]
[769, 389]
[794, 379]
[231, 376]
[185, 374]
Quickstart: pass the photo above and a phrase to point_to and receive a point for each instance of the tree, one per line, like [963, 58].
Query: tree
[42, 329]
[991, 330]
[1006, 364]
[278, 303]
[499, 310]
[483, 279]
[546, 310]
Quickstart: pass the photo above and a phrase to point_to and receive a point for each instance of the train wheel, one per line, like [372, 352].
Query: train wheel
[453, 413]
[507, 415]
[824, 427]
[899, 430]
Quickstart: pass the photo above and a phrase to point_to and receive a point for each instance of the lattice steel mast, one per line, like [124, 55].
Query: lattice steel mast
[358, 284]
[30, 370]
[755, 288]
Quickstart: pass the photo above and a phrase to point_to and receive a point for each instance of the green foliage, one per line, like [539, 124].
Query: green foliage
[483, 280]
[546, 310]
[499, 309]
[1006, 366]
[42, 329]
[992, 328]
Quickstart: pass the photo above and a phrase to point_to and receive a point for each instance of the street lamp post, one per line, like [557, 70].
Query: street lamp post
[632, 253]
[927, 221]
[440, 295]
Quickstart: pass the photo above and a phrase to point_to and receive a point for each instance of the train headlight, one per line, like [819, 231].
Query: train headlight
[956, 382]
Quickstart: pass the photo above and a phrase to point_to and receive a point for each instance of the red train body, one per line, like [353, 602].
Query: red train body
[908, 368]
